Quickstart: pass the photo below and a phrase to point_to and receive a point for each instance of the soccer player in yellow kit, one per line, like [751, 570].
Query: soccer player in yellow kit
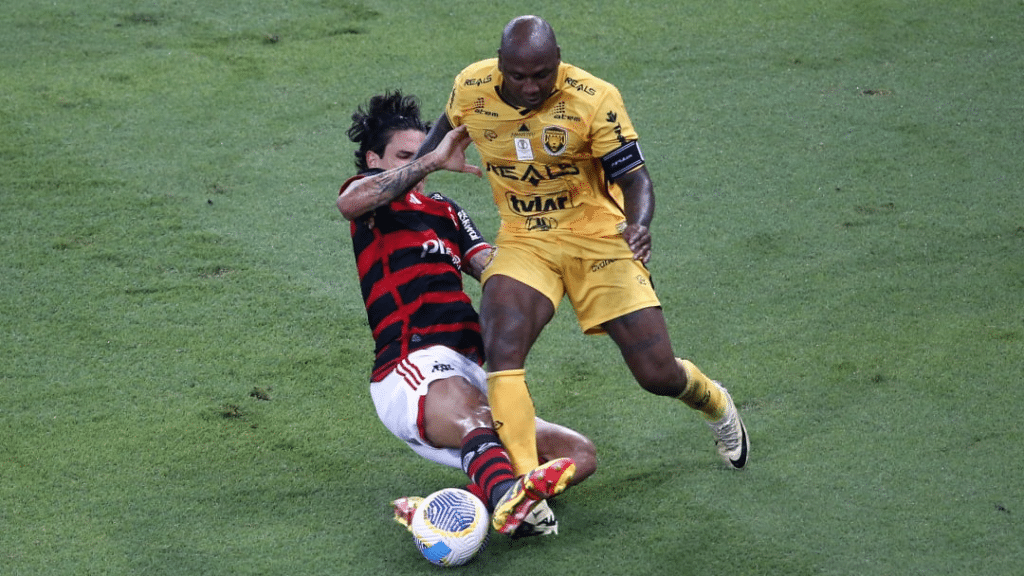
[576, 202]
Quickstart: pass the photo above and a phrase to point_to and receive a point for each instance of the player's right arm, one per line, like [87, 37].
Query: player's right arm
[436, 134]
[372, 192]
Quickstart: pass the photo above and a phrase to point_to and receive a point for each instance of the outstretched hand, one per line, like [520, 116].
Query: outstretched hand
[450, 154]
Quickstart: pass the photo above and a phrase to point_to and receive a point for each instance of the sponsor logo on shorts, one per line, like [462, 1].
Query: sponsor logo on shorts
[439, 367]
[598, 266]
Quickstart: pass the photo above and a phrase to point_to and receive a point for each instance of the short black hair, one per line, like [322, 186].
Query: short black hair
[373, 126]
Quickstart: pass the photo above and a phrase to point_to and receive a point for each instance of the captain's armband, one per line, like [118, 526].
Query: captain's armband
[622, 160]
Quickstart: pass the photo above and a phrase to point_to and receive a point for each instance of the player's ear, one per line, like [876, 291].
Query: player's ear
[372, 159]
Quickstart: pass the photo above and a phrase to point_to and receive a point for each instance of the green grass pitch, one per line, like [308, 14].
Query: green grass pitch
[839, 238]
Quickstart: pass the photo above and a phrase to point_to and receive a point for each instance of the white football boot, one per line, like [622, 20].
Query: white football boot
[731, 435]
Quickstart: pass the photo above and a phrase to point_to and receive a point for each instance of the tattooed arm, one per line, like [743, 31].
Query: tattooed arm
[375, 191]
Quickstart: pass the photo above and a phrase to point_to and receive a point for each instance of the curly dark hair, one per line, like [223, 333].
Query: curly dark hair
[373, 126]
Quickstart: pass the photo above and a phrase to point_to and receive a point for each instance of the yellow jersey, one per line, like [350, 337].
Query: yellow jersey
[550, 168]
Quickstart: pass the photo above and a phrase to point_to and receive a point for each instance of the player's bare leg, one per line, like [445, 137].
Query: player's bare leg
[452, 409]
[642, 337]
[555, 441]
[512, 316]
[456, 415]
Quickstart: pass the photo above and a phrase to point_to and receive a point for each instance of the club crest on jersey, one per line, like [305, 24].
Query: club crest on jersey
[554, 138]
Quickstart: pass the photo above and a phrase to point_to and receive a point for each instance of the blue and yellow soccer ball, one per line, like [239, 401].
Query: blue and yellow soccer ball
[450, 527]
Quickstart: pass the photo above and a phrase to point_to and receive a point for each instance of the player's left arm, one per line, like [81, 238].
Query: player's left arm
[615, 140]
[474, 247]
[638, 196]
[478, 261]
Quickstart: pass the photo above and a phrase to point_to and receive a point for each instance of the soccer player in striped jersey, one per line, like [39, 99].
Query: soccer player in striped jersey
[427, 384]
[576, 203]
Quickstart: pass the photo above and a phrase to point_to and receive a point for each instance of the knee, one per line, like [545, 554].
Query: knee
[505, 352]
[584, 453]
[555, 441]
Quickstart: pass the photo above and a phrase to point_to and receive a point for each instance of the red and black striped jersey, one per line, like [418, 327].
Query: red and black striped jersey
[410, 256]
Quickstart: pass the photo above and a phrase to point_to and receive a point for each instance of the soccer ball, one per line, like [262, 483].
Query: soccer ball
[450, 526]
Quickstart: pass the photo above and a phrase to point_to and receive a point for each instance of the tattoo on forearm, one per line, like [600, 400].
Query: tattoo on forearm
[389, 185]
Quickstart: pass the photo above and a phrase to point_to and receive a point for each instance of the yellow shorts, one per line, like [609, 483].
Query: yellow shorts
[599, 275]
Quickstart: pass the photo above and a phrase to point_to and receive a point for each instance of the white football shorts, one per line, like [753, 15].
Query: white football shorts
[399, 396]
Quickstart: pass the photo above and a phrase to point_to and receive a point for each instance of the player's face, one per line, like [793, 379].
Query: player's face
[528, 80]
[400, 150]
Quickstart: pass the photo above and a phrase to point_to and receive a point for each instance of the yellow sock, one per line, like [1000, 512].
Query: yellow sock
[513, 414]
[701, 393]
